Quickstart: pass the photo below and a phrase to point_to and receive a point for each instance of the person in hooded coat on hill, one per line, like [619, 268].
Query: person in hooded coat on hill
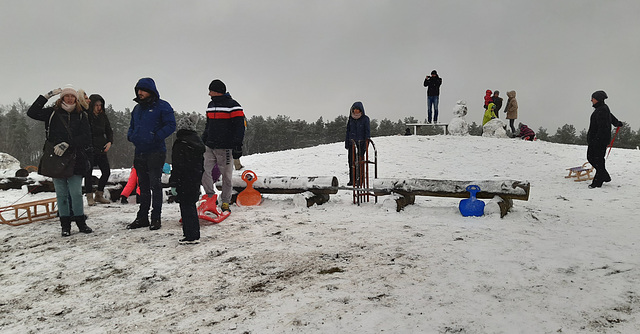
[488, 113]
[488, 98]
[599, 136]
[358, 132]
[512, 110]
[152, 121]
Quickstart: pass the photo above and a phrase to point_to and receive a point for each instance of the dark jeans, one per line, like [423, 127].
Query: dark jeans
[149, 169]
[595, 156]
[432, 101]
[513, 130]
[100, 160]
[190, 220]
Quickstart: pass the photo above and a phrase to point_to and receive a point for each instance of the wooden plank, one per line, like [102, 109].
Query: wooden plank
[450, 188]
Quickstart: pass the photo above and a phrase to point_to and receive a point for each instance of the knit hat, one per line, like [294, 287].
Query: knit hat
[599, 95]
[188, 122]
[218, 86]
[68, 90]
[434, 72]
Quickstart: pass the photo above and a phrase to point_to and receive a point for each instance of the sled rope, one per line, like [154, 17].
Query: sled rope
[612, 140]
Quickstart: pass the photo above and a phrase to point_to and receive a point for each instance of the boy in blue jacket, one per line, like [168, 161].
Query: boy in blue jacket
[358, 131]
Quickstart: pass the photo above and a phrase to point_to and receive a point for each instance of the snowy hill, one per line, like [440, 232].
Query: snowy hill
[566, 261]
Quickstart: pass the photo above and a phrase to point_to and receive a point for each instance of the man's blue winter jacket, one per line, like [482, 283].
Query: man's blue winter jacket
[152, 120]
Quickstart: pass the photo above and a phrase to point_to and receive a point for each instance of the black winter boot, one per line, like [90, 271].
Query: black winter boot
[82, 225]
[155, 224]
[138, 223]
[65, 222]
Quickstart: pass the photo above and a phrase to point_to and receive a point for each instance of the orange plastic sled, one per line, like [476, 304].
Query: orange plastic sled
[249, 196]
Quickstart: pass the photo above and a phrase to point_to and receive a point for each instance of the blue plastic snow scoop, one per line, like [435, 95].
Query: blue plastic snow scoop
[472, 206]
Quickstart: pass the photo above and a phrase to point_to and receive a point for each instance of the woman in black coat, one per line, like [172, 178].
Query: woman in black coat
[68, 129]
[102, 139]
[599, 136]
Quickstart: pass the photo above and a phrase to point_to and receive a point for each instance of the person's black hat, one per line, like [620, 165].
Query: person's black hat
[434, 72]
[218, 86]
[599, 95]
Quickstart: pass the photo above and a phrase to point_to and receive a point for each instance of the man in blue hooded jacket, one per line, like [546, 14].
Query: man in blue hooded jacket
[152, 121]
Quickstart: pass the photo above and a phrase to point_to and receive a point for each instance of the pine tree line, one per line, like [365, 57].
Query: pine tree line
[23, 137]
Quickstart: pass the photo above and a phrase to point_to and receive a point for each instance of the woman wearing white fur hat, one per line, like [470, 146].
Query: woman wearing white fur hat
[68, 130]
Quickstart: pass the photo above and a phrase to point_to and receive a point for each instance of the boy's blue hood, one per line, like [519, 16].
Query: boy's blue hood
[147, 84]
[357, 105]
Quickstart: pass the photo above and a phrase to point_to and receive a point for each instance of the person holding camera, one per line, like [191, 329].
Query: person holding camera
[433, 83]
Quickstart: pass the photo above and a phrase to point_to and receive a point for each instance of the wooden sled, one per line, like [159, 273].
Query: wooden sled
[581, 173]
[28, 212]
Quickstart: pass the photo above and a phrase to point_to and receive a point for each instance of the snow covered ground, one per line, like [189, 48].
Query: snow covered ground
[566, 261]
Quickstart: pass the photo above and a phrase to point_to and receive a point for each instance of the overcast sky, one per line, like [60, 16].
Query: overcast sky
[306, 58]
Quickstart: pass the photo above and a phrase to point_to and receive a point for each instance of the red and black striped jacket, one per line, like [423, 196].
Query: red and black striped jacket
[225, 123]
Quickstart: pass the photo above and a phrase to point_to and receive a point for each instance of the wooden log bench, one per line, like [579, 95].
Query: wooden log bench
[28, 212]
[507, 190]
[417, 126]
[316, 189]
[581, 173]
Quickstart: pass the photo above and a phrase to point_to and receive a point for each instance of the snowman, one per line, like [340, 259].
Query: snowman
[458, 125]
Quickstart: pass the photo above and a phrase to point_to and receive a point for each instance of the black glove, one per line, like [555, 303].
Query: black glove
[237, 152]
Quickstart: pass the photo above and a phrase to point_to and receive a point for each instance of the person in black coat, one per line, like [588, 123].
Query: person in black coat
[67, 127]
[102, 139]
[358, 131]
[433, 83]
[599, 137]
[497, 100]
[187, 157]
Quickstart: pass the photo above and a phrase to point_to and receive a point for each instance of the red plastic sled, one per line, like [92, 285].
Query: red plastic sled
[209, 205]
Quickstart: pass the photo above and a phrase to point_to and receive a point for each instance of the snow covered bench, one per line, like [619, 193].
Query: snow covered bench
[316, 189]
[507, 190]
[416, 126]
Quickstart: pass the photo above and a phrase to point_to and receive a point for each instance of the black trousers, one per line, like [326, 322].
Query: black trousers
[190, 220]
[100, 160]
[595, 156]
[149, 169]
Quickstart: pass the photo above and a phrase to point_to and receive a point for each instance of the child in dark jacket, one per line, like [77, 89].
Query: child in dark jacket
[526, 133]
[358, 131]
[187, 158]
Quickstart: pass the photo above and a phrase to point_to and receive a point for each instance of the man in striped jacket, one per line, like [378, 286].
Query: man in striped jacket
[223, 134]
